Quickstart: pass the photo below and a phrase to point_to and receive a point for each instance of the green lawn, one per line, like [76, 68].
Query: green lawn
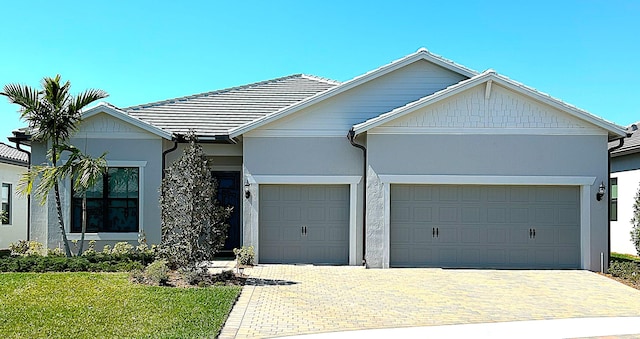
[624, 257]
[107, 305]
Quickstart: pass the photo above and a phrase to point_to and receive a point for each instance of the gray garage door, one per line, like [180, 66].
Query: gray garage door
[485, 226]
[304, 224]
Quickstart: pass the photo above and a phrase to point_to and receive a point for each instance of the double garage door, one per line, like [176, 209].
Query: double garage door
[304, 224]
[484, 226]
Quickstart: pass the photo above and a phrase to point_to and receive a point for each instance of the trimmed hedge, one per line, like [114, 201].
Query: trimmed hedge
[94, 263]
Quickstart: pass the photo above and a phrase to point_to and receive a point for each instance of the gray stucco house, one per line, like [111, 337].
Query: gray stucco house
[421, 162]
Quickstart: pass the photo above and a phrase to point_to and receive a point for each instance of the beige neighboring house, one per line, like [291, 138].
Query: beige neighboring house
[13, 163]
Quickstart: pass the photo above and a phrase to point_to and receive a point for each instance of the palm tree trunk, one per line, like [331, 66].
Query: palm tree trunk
[84, 223]
[56, 189]
[67, 250]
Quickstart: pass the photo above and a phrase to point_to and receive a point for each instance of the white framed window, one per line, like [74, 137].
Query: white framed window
[6, 204]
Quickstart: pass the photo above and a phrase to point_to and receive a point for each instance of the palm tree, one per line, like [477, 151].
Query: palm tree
[52, 114]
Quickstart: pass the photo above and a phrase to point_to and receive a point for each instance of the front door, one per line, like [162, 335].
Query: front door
[229, 195]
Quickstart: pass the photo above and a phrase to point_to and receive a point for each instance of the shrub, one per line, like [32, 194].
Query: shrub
[625, 269]
[194, 225]
[56, 252]
[157, 272]
[245, 255]
[122, 249]
[5, 253]
[635, 222]
[24, 247]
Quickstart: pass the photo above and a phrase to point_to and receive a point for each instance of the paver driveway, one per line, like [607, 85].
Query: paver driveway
[285, 300]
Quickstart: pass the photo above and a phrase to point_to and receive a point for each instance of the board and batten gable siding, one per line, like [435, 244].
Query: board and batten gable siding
[504, 109]
[336, 115]
[467, 139]
[126, 146]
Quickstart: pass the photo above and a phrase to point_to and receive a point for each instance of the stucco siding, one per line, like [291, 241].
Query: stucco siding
[302, 156]
[339, 113]
[146, 153]
[628, 184]
[476, 155]
[16, 229]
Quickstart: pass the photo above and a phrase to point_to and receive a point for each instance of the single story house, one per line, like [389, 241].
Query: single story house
[625, 183]
[421, 162]
[13, 222]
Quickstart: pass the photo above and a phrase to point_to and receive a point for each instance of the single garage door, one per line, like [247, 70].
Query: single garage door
[304, 224]
[485, 226]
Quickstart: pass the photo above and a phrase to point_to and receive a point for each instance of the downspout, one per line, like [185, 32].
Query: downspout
[18, 144]
[351, 136]
[621, 140]
[164, 154]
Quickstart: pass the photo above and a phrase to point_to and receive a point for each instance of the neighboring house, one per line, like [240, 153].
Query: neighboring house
[13, 163]
[462, 169]
[624, 182]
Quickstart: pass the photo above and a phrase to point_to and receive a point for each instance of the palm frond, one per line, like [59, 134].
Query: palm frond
[85, 98]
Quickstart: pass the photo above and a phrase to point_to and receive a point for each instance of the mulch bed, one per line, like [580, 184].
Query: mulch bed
[627, 282]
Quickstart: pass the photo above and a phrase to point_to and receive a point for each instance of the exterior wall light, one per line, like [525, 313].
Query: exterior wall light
[247, 192]
[600, 193]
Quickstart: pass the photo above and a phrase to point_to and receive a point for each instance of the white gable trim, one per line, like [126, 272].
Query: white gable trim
[421, 54]
[121, 115]
[490, 77]
[486, 131]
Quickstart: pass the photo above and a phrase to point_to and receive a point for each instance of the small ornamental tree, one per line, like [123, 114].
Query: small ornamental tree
[194, 225]
[635, 229]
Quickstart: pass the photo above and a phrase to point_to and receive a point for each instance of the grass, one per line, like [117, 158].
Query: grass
[624, 257]
[101, 305]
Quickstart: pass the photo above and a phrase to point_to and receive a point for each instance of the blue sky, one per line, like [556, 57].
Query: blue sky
[583, 52]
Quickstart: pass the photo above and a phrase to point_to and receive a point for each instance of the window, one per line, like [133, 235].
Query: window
[613, 183]
[6, 204]
[112, 204]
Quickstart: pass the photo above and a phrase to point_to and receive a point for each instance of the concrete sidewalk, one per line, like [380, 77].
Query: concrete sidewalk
[284, 300]
[620, 327]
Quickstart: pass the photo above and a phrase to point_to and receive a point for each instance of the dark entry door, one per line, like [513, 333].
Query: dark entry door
[229, 195]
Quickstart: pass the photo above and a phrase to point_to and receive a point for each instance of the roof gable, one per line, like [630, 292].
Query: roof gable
[543, 118]
[421, 54]
[112, 111]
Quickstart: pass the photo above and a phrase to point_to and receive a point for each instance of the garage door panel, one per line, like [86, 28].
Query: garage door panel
[447, 214]
[486, 226]
[471, 257]
[470, 214]
[291, 213]
[422, 214]
[401, 234]
[496, 257]
[568, 236]
[497, 235]
[497, 215]
[316, 213]
[304, 224]
[471, 235]
[447, 234]
[545, 235]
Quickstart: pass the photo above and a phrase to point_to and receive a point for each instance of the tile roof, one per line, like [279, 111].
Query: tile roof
[631, 144]
[215, 113]
[11, 155]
